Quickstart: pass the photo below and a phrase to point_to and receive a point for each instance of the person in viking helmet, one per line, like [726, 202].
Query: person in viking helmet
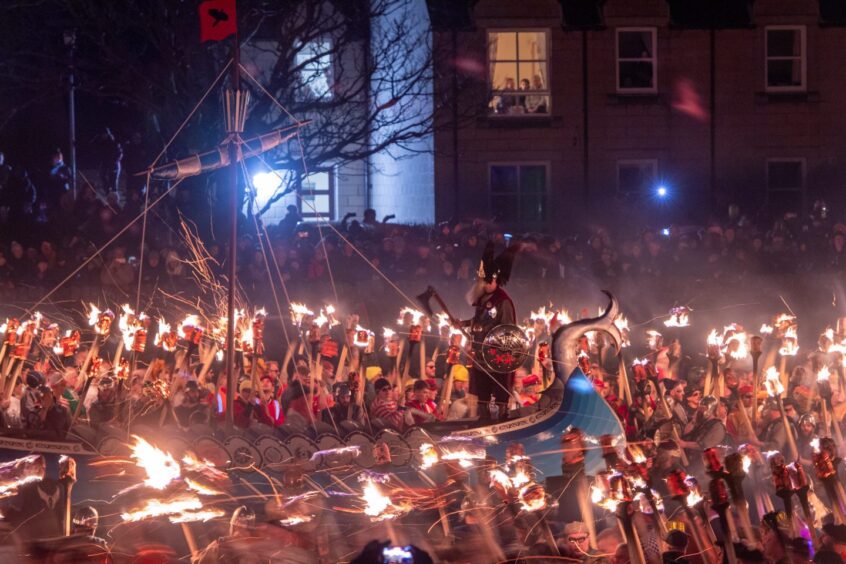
[493, 307]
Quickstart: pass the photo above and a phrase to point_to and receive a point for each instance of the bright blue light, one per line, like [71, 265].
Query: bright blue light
[665, 232]
[661, 191]
[266, 184]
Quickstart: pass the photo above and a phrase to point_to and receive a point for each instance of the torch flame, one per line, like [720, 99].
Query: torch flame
[679, 317]
[202, 515]
[790, 343]
[596, 494]
[157, 508]
[824, 374]
[189, 321]
[160, 341]
[747, 463]
[298, 312]
[200, 488]
[773, 382]
[416, 315]
[546, 315]
[737, 347]
[160, 466]
[93, 315]
[766, 329]
[499, 477]
[693, 498]
[295, 520]
[379, 506]
[429, 455]
[652, 338]
[464, 456]
[714, 339]
[387, 335]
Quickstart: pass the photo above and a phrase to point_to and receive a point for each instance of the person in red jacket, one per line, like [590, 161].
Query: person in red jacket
[421, 407]
[269, 409]
[243, 406]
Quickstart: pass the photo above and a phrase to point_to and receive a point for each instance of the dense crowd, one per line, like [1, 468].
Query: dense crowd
[46, 234]
[675, 403]
[676, 407]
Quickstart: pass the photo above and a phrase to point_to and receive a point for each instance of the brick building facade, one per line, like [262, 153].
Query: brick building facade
[558, 108]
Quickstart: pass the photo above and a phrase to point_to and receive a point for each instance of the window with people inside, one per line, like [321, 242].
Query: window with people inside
[519, 79]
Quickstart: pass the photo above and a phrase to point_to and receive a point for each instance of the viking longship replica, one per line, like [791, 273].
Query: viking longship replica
[569, 401]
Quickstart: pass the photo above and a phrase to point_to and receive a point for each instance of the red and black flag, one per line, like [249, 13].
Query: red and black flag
[217, 19]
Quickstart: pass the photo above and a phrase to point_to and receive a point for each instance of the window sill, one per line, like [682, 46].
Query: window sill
[520, 120]
[776, 97]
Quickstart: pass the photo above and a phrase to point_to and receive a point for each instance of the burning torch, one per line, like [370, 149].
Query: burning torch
[826, 470]
[775, 389]
[720, 499]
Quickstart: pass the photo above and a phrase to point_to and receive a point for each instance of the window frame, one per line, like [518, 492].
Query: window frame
[306, 212]
[652, 161]
[519, 164]
[622, 90]
[306, 88]
[803, 163]
[803, 58]
[489, 65]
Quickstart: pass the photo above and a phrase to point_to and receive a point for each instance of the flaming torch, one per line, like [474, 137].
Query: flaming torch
[688, 499]
[775, 389]
[714, 347]
[736, 471]
[783, 486]
[720, 499]
[679, 317]
[165, 338]
[25, 335]
[826, 471]
[756, 348]
[10, 335]
[801, 486]
[789, 348]
[616, 496]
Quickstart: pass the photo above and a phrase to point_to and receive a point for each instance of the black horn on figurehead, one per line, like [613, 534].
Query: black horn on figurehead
[565, 342]
[219, 156]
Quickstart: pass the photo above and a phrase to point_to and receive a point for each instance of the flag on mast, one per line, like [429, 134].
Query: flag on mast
[217, 19]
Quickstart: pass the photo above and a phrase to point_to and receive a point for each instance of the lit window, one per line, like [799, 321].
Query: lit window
[316, 196]
[314, 61]
[274, 191]
[637, 63]
[785, 184]
[785, 58]
[636, 176]
[518, 192]
[518, 73]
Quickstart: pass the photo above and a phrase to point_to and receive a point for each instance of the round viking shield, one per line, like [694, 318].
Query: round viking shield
[505, 348]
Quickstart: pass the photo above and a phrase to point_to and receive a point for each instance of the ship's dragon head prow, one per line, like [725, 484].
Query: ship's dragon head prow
[565, 342]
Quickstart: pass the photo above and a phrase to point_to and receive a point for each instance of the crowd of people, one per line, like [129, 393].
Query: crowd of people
[675, 399]
[46, 234]
[674, 404]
